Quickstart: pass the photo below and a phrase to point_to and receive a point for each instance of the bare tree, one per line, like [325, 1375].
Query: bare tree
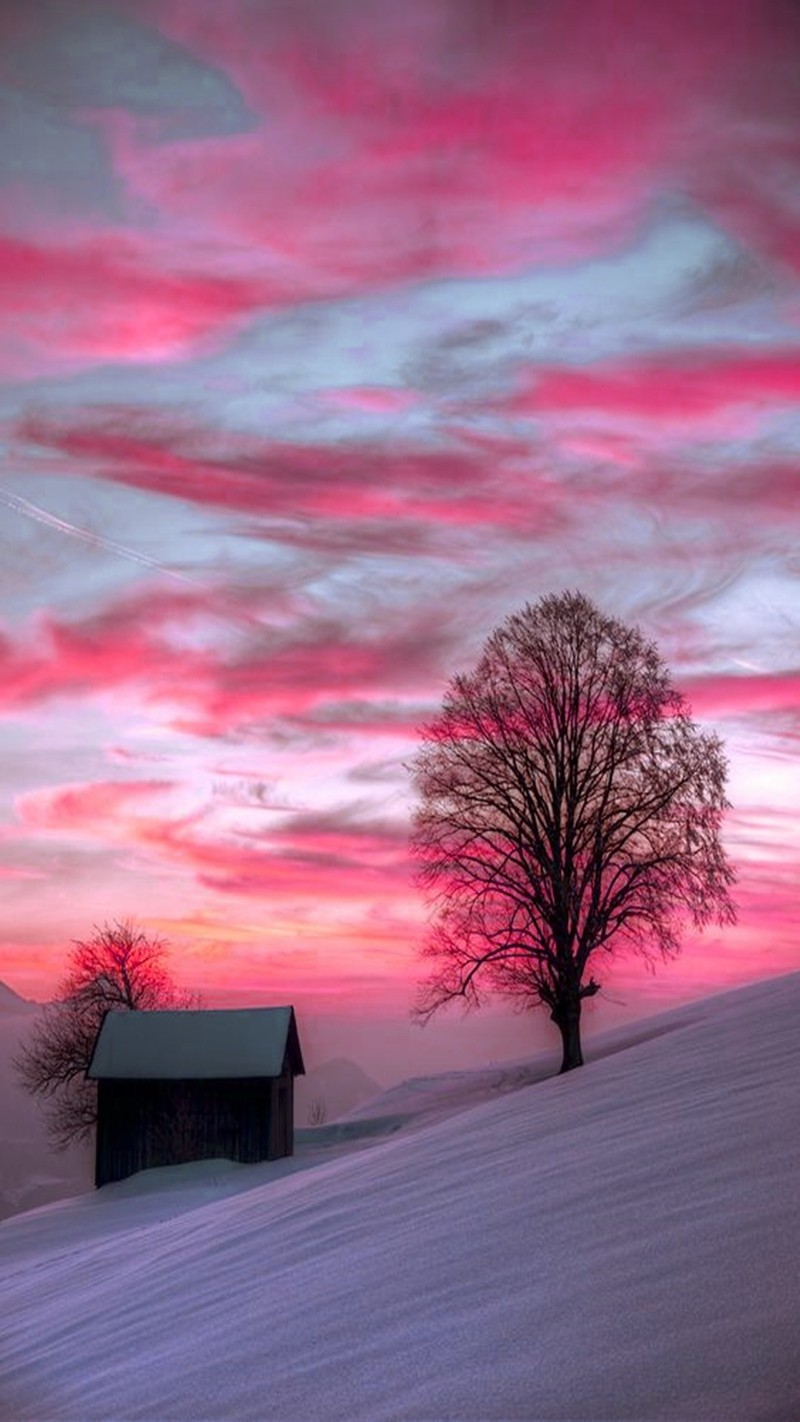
[317, 1112]
[119, 968]
[569, 808]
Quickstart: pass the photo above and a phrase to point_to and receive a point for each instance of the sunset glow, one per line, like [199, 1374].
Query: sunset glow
[332, 333]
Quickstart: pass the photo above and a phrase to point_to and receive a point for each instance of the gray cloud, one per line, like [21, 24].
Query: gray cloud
[61, 157]
[98, 54]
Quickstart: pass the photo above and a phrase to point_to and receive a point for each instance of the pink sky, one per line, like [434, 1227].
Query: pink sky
[333, 332]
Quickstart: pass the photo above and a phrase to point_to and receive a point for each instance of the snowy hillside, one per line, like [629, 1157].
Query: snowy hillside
[618, 1243]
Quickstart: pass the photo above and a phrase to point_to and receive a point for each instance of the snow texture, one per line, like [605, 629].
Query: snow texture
[618, 1243]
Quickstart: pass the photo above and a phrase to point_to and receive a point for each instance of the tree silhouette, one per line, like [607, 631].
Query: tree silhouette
[569, 808]
[119, 968]
[317, 1112]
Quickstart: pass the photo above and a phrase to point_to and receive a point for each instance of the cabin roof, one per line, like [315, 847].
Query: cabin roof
[203, 1045]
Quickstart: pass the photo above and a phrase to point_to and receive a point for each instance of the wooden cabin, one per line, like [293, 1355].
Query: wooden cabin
[179, 1086]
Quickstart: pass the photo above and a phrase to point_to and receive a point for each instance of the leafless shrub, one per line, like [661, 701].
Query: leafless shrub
[317, 1112]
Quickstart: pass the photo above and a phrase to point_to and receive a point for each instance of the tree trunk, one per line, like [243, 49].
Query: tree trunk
[567, 1017]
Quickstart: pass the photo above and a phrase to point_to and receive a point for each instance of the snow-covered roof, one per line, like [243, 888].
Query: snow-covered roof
[239, 1042]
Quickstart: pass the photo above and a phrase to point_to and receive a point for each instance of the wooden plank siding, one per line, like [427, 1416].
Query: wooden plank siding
[147, 1123]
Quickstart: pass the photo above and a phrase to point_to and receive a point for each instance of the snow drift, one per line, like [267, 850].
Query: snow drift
[621, 1242]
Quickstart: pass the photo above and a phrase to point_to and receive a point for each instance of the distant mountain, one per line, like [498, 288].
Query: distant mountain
[10, 1001]
[30, 1172]
[334, 1087]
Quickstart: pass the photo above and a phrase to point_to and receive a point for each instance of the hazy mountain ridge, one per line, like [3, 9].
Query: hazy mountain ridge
[12, 1002]
[338, 1086]
[31, 1173]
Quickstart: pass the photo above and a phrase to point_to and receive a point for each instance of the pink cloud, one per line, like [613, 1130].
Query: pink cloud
[371, 399]
[434, 140]
[334, 856]
[127, 814]
[308, 860]
[685, 392]
[323, 678]
[120, 647]
[763, 694]
[320, 673]
[455, 486]
[104, 296]
[749, 493]
[443, 138]
[99, 807]
[429, 142]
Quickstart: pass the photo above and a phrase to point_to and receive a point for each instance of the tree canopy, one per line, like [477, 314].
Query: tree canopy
[118, 968]
[569, 808]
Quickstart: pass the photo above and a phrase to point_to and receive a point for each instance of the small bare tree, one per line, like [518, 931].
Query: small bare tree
[569, 808]
[119, 968]
[317, 1112]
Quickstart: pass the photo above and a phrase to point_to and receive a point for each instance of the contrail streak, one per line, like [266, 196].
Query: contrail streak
[95, 540]
[223, 613]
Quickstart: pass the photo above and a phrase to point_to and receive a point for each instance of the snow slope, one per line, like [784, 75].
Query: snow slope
[618, 1243]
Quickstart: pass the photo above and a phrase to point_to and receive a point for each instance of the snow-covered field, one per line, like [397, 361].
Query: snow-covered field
[618, 1243]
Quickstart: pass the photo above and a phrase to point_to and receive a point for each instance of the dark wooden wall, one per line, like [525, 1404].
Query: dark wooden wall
[141, 1124]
